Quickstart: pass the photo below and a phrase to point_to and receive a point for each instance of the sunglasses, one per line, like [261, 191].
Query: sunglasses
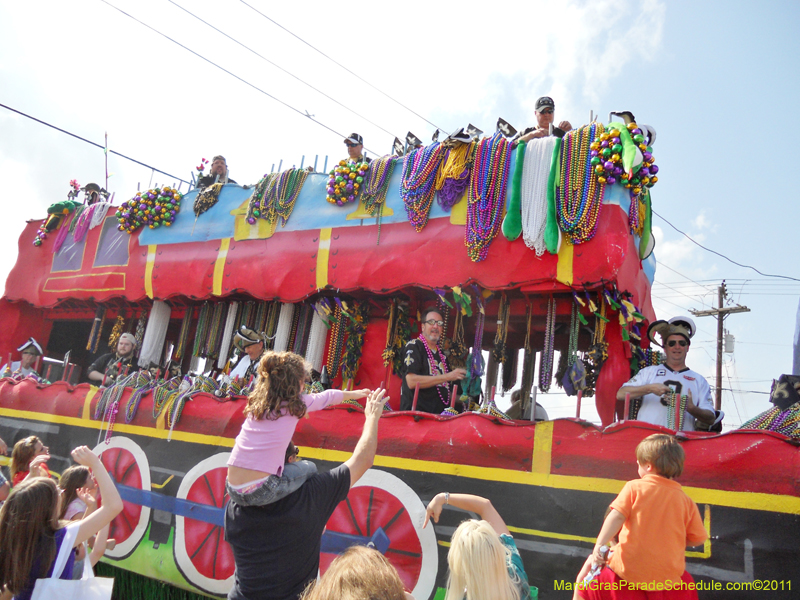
[547, 111]
[351, 145]
[433, 322]
[683, 343]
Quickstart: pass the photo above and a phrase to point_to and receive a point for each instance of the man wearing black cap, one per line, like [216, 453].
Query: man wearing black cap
[355, 148]
[218, 173]
[545, 114]
[651, 384]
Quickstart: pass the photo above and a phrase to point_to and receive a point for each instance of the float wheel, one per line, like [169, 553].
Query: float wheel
[127, 464]
[382, 500]
[201, 553]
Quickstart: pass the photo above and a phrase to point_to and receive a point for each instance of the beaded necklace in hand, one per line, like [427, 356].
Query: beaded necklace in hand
[417, 185]
[546, 370]
[487, 195]
[441, 367]
[673, 399]
[579, 196]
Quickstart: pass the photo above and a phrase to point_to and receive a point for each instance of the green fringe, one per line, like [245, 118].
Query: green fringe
[132, 586]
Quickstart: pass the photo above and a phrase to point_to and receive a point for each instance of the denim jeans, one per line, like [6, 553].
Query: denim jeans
[274, 488]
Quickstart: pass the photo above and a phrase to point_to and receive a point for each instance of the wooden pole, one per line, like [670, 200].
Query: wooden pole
[453, 397]
[678, 412]
[416, 396]
[578, 411]
[627, 414]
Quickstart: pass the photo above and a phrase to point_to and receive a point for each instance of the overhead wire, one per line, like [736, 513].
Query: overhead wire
[277, 66]
[687, 236]
[221, 68]
[76, 136]
[356, 75]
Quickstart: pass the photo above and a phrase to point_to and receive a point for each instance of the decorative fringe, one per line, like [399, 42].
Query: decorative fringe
[227, 335]
[155, 334]
[97, 328]
[183, 336]
[316, 342]
[139, 335]
[284, 328]
[214, 331]
[202, 329]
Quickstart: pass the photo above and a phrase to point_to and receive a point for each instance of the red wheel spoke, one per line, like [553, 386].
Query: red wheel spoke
[210, 491]
[404, 552]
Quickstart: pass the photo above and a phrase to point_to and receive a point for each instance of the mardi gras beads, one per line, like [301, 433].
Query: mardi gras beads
[153, 208]
[417, 185]
[578, 195]
[486, 195]
[546, 370]
[345, 181]
[377, 183]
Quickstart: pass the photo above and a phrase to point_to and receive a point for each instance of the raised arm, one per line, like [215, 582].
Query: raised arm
[429, 381]
[476, 504]
[112, 503]
[367, 445]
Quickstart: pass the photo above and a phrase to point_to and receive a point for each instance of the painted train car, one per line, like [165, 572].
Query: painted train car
[551, 480]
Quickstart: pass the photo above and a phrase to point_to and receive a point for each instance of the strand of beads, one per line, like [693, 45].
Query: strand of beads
[183, 336]
[486, 196]
[142, 383]
[673, 400]
[574, 329]
[578, 195]
[202, 328]
[162, 394]
[437, 368]
[416, 186]
[345, 181]
[336, 343]
[259, 201]
[290, 182]
[377, 182]
[546, 370]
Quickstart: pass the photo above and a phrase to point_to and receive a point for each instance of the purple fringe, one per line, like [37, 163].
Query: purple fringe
[452, 190]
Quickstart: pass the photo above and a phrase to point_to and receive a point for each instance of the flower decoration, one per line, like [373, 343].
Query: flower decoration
[155, 207]
[202, 166]
[75, 185]
[57, 211]
[345, 181]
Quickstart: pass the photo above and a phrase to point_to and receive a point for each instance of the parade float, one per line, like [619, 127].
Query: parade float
[526, 249]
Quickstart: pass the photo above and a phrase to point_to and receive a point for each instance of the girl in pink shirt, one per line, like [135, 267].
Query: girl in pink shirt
[257, 474]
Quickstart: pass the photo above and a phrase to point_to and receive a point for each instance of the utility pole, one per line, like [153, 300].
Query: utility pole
[720, 313]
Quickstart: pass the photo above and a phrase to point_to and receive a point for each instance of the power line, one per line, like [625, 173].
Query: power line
[681, 274]
[277, 66]
[718, 254]
[356, 75]
[93, 143]
[211, 62]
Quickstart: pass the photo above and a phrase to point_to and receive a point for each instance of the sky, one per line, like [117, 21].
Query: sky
[717, 80]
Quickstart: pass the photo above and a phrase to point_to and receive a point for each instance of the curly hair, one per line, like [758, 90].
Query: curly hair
[23, 453]
[281, 377]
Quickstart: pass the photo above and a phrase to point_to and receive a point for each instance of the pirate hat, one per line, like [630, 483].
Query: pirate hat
[31, 347]
[675, 326]
[247, 337]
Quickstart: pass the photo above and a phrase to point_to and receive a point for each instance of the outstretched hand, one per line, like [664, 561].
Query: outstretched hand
[88, 499]
[360, 393]
[374, 405]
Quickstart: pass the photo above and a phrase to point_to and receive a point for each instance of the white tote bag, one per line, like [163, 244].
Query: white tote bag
[87, 588]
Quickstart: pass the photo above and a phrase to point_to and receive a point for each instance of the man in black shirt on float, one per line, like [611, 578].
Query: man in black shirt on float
[276, 547]
[218, 173]
[433, 379]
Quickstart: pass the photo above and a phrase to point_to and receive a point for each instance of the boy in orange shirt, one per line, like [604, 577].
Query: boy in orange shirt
[656, 521]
